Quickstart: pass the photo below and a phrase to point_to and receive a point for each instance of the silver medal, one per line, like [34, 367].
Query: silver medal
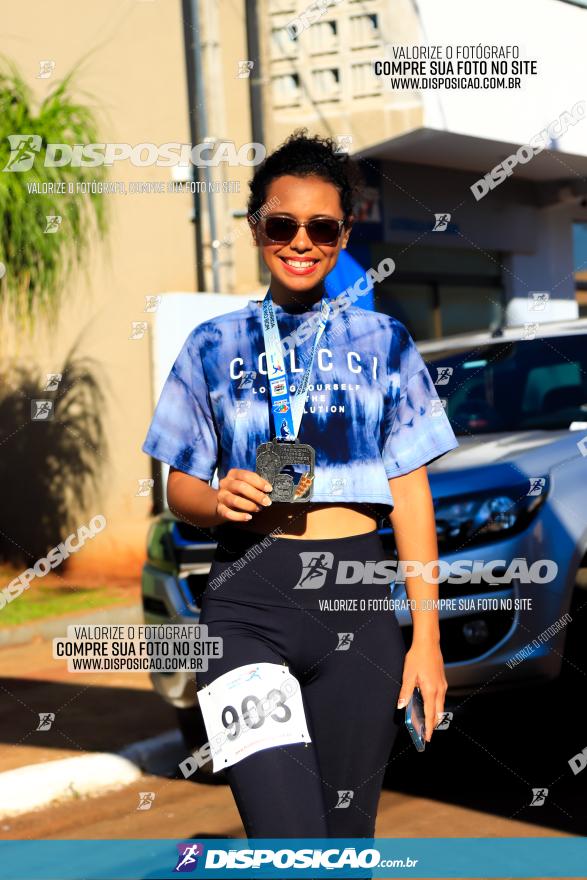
[272, 457]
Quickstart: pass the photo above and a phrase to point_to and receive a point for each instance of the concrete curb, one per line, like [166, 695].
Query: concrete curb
[56, 626]
[38, 785]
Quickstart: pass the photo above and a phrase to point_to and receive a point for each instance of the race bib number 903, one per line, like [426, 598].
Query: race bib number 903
[252, 708]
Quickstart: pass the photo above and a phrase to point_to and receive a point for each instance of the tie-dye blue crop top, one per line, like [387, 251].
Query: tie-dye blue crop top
[372, 411]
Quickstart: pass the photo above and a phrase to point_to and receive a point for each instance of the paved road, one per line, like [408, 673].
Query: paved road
[182, 809]
[93, 712]
[475, 781]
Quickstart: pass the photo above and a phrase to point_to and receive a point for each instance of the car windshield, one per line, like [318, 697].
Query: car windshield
[513, 386]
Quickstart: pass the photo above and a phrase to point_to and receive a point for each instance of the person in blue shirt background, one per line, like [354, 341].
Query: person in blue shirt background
[374, 419]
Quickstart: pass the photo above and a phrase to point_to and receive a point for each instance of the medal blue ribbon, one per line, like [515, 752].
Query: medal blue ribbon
[286, 410]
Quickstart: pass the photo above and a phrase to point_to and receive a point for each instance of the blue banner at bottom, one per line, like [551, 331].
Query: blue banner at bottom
[536, 857]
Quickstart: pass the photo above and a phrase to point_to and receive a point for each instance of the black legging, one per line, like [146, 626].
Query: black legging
[349, 695]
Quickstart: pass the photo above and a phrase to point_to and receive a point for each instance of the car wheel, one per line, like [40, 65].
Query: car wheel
[193, 731]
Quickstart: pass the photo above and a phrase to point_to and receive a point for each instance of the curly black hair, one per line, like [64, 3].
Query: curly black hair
[303, 156]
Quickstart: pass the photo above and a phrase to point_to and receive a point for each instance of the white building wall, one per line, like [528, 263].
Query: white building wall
[545, 270]
[550, 31]
[554, 34]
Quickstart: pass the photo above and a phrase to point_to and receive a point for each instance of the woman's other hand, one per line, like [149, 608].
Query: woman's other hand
[424, 668]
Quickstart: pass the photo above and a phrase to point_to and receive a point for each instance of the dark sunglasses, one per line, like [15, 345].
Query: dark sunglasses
[321, 230]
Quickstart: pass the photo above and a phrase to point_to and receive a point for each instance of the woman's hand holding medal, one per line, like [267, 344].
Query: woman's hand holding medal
[240, 494]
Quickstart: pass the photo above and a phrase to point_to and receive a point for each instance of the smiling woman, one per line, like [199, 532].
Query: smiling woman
[305, 245]
[311, 444]
[315, 191]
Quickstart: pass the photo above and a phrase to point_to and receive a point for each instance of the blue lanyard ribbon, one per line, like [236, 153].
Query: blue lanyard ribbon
[287, 411]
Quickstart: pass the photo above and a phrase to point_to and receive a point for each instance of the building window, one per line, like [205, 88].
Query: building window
[441, 291]
[364, 30]
[323, 36]
[282, 46]
[286, 90]
[326, 84]
[363, 80]
[276, 6]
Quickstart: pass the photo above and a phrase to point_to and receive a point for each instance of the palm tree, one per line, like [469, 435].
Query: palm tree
[37, 263]
[52, 470]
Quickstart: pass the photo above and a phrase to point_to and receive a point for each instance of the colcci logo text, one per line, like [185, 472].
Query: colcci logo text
[324, 362]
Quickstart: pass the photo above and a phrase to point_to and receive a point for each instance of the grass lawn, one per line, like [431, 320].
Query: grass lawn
[43, 600]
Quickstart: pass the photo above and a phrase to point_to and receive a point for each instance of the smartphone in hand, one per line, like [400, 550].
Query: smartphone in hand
[415, 720]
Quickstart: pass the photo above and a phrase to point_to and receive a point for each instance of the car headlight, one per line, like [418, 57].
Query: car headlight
[159, 544]
[490, 516]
